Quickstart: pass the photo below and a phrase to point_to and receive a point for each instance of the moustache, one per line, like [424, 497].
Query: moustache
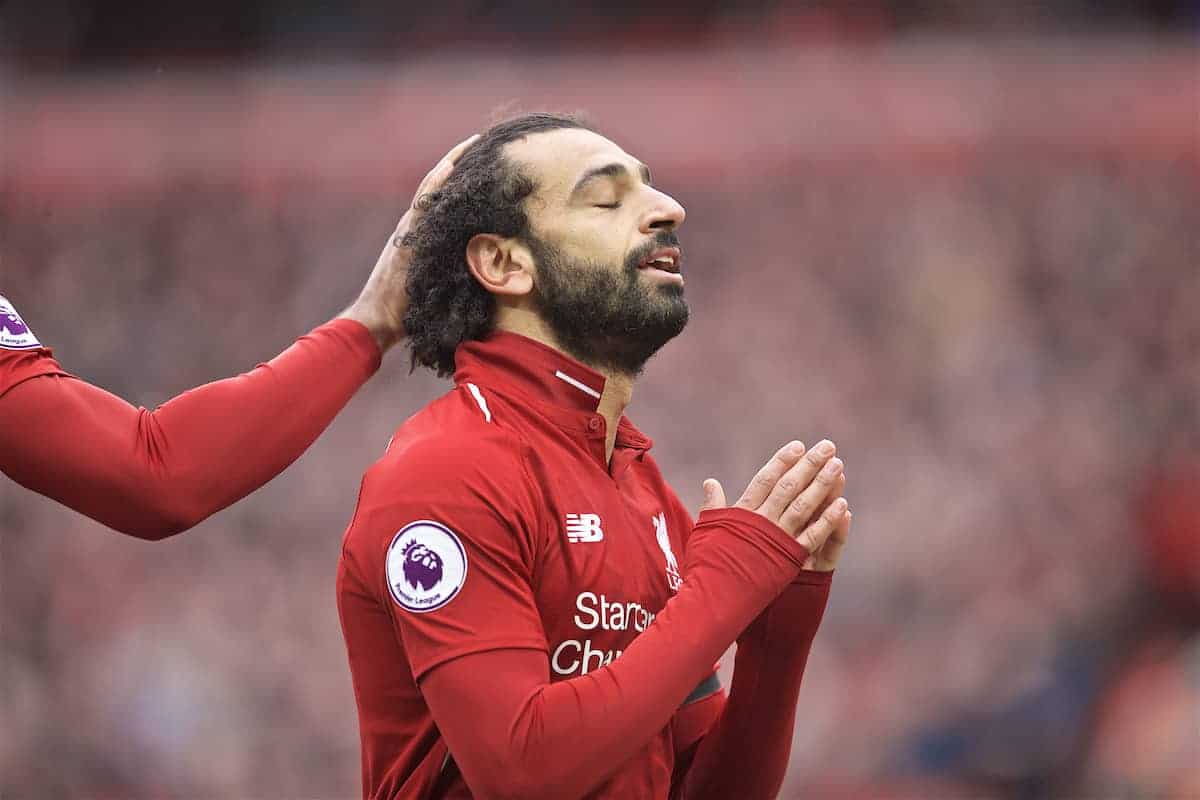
[643, 251]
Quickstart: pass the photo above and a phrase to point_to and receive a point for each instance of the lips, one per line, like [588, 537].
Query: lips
[668, 259]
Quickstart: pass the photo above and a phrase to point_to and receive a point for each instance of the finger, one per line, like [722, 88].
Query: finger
[831, 551]
[445, 166]
[763, 482]
[839, 488]
[815, 534]
[796, 480]
[807, 504]
[714, 495]
[434, 179]
[460, 148]
[826, 558]
[432, 182]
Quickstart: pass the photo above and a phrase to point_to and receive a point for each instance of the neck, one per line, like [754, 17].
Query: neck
[618, 391]
[618, 386]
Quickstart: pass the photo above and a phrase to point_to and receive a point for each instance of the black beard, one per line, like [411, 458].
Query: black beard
[608, 319]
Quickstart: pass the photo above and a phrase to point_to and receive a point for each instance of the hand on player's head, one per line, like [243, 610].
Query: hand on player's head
[384, 299]
[800, 491]
[432, 181]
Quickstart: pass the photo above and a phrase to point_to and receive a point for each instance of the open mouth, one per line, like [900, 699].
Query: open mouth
[667, 259]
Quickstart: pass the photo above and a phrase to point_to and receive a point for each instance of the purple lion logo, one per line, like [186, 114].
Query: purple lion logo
[422, 566]
[13, 324]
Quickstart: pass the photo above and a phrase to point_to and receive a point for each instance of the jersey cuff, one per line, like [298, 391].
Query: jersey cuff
[811, 577]
[356, 337]
[777, 537]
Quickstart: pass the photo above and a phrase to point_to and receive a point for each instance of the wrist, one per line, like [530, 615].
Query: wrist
[383, 326]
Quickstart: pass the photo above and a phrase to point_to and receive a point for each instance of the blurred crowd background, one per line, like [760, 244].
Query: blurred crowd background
[960, 238]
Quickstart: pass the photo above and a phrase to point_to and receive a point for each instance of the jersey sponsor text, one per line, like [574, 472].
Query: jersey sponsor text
[597, 612]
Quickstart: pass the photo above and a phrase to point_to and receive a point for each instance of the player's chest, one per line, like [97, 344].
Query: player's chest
[608, 564]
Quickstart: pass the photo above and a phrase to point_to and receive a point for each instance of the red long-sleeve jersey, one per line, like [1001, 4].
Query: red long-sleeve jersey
[152, 474]
[525, 618]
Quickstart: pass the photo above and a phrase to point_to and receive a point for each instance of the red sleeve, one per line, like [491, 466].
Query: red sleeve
[689, 726]
[697, 716]
[515, 734]
[746, 753]
[477, 491]
[17, 366]
[152, 474]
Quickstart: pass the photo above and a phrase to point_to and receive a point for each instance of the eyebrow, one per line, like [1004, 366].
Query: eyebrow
[614, 170]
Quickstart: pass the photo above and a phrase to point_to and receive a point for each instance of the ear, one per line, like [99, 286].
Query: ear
[502, 266]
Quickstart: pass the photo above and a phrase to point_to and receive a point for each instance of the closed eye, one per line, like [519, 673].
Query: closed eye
[608, 205]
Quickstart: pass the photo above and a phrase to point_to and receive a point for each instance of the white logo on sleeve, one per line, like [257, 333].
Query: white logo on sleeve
[14, 333]
[674, 579]
[426, 566]
[584, 528]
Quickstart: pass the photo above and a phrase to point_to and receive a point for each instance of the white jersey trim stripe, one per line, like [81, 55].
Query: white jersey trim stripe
[483, 406]
[558, 373]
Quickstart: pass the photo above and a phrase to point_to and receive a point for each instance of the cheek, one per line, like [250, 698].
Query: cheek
[601, 243]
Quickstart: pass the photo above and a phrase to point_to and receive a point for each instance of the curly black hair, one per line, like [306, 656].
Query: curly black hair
[484, 194]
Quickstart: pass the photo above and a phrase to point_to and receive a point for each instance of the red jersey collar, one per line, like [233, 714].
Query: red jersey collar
[562, 388]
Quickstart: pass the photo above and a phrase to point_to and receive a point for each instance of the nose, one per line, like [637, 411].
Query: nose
[663, 213]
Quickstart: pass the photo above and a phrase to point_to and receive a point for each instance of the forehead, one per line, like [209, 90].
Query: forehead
[556, 159]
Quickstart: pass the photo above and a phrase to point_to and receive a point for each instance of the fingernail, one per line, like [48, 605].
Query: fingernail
[840, 505]
[833, 466]
[825, 448]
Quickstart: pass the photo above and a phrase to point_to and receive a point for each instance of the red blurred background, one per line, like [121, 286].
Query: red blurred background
[961, 239]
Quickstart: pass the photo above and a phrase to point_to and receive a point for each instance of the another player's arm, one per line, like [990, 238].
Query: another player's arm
[153, 474]
[515, 734]
[745, 752]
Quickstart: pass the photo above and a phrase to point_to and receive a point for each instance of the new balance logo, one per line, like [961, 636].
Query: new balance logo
[584, 528]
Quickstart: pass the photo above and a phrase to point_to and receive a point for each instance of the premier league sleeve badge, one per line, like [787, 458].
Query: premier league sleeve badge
[14, 333]
[426, 566]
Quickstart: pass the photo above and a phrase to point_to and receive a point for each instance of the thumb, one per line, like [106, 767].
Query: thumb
[714, 495]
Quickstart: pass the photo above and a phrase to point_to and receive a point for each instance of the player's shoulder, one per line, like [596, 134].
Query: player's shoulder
[449, 461]
[454, 438]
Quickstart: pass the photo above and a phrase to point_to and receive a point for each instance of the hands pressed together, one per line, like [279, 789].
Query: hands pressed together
[382, 303]
[800, 491]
